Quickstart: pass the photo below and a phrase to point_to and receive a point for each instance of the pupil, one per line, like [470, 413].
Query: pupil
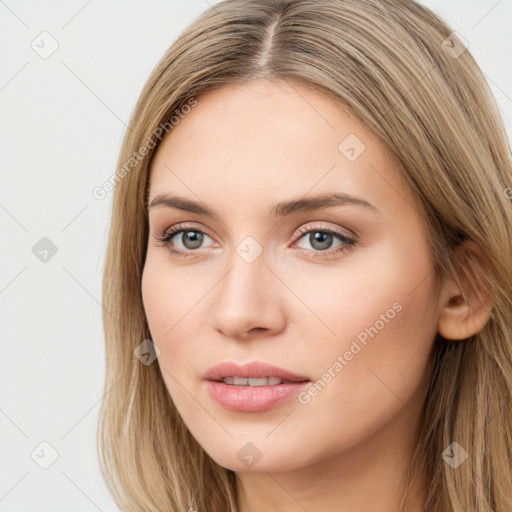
[322, 237]
[196, 237]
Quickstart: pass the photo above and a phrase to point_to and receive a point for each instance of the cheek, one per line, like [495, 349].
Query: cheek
[155, 299]
[168, 295]
[383, 292]
[383, 316]
[175, 313]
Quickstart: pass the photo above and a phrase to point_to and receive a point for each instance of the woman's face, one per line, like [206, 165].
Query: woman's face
[340, 295]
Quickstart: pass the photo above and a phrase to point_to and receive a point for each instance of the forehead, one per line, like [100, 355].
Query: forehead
[271, 140]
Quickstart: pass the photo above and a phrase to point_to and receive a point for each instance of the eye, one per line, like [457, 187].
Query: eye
[191, 238]
[319, 237]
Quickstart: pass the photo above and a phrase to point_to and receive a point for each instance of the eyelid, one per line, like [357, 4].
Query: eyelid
[350, 239]
[191, 225]
[183, 226]
[321, 227]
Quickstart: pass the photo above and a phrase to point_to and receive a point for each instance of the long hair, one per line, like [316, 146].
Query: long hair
[398, 68]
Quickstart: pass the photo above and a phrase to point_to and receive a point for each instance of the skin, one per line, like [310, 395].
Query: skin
[242, 149]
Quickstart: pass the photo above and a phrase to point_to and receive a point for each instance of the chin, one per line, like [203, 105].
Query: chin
[246, 457]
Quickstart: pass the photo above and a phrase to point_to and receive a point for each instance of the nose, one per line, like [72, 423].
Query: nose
[248, 300]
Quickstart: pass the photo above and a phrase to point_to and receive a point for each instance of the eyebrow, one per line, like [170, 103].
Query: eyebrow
[279, 210]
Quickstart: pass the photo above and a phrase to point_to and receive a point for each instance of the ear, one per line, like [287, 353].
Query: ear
[466, 304]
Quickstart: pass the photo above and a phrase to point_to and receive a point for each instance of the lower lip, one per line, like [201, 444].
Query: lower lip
[252, 398]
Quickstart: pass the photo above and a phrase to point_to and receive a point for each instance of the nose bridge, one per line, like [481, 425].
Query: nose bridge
[243, 294]
[247, 278]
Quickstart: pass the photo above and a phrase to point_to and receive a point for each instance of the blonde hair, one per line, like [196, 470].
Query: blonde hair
[397, 67]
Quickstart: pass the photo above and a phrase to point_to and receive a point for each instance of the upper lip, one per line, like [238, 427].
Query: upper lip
[251, 370]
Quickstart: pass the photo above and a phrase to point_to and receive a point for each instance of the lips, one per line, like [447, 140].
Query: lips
[252, 387]
[254, 370]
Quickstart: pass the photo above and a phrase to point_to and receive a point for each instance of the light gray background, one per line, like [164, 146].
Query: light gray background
[62, 122]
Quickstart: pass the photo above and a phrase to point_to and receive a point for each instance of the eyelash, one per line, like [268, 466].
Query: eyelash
[169, 234]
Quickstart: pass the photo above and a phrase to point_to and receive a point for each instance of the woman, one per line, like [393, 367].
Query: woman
[308, 283]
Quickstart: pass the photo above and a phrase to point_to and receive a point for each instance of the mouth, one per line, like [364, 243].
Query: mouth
[253, 387]
[256, 382]
[252, 374]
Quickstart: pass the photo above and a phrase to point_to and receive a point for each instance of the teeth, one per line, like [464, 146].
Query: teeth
[243, 381]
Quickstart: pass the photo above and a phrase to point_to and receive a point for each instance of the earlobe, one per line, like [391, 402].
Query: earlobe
[465, 305]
